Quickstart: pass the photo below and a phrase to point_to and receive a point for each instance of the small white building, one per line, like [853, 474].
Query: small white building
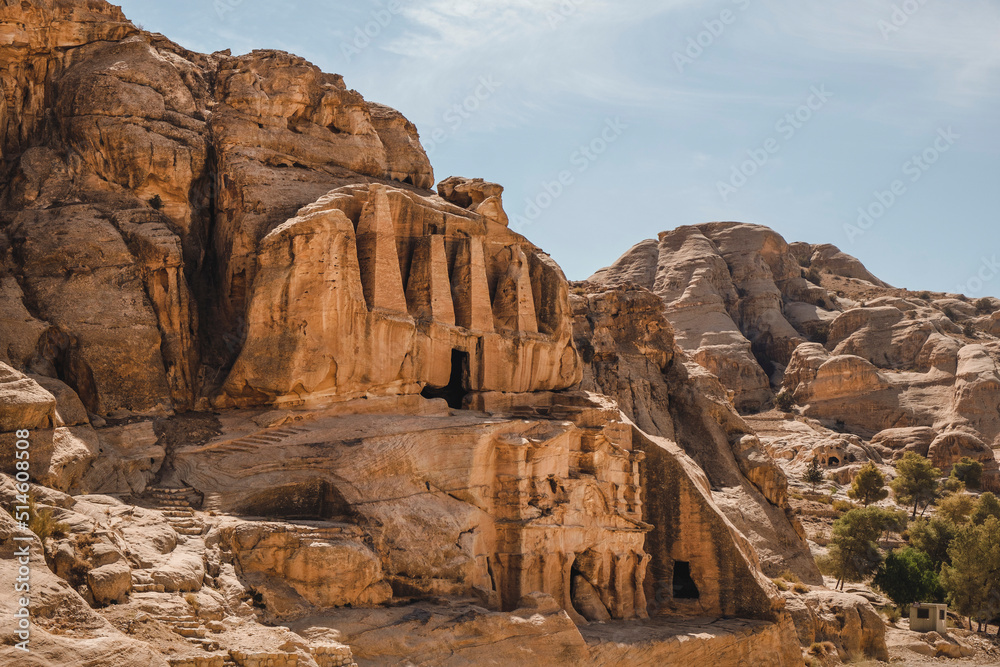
[929, 617]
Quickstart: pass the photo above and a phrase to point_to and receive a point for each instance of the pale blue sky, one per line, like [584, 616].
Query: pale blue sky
[553, 76]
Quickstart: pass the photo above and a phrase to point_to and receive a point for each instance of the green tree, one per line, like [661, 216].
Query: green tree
[933, 536]
[986, 506]
[894, 521]
[972, 580]
[907, 576]
[916, 481]
[868, 486]
[814, 474]
[956, 507]
[951, 485]
[853, 552]
[969, 471]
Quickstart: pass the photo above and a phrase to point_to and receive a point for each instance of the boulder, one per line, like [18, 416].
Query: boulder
[24, 404]
[110, 583]
[848, 621]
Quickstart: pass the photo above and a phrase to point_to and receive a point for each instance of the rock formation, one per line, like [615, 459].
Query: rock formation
[905, 371]
[630, 354]
[288, 405]
[271, 377]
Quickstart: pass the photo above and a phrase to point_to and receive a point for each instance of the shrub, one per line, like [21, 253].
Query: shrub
[892, 614]
[843, 506]
[813, 276]
[956, 507]
[781, 585]
[192, 600]
[800, 588]
[784, 401]
[984, 306]
[968, 330]
[43, 524]
[825, 565]
[952, 485]
[823, 648]
[156, 202]
[933, 536]
[986, 506]
[926, 296]
[790, 577]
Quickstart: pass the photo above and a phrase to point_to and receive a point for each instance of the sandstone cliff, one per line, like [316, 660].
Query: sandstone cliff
[288, 405]
[630, 354]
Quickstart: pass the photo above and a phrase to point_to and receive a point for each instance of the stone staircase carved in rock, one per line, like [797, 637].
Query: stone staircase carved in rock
[177, 506]
[192, 629]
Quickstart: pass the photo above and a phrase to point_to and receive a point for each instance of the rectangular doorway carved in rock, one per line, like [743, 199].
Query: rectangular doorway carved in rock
[684, 586]
[458, 382]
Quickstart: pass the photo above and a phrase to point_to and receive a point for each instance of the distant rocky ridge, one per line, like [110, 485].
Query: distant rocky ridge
[294, 407]
[905, 371]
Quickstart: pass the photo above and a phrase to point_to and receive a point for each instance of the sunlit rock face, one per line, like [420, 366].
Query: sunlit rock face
[855, 353]
[283, 394]
[379, 290]
[246, 230]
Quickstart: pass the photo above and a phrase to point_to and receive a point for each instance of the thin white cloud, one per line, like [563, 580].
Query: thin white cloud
[956, 44]
[544, 48]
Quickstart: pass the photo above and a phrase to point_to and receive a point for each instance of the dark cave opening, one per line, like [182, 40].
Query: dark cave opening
[454, 392]
[684, 586]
